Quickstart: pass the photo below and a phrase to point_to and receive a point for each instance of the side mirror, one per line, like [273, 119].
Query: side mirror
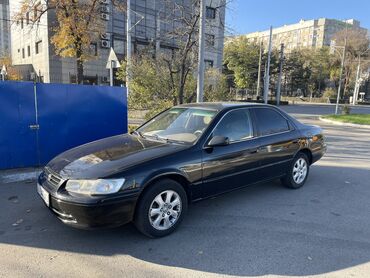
[218, 141]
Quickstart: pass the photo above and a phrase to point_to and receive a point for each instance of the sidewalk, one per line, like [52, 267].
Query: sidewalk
[20, 174]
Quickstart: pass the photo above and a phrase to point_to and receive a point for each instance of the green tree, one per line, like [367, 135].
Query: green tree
[320, 64]
[151, 84]
[241, 57]
[216, 87]
[296, 73]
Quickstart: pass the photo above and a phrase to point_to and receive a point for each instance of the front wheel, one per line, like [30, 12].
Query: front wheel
[298, 172]
[161, 208]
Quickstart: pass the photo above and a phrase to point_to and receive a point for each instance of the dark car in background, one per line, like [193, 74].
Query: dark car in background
[184, 154]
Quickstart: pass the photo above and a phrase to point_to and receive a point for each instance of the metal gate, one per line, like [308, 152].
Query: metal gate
[39, 121]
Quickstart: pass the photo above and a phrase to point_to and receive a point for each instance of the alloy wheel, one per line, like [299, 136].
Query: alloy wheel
[165, 210]
[299, 170]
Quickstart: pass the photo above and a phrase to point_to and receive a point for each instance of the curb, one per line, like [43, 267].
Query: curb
[342, 123]
[19, 175]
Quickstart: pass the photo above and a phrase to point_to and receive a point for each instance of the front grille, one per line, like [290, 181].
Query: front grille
[53, 178]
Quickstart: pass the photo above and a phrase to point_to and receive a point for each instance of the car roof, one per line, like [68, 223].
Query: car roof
[219, 106]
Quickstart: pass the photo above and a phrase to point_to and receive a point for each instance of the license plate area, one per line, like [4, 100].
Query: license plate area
[43, 194]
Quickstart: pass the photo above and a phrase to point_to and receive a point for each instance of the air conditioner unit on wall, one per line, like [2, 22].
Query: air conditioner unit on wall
[104, 16]
[104, 1]
[105, 44]
[105, 36]
[104, 9]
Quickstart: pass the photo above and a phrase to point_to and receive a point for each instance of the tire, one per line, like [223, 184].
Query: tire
[298, 172]
[155, 220]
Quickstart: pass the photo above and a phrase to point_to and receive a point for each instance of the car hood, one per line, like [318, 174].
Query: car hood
[109, 156]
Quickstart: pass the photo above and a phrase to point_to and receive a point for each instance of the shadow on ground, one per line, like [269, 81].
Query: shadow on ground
[262, 229]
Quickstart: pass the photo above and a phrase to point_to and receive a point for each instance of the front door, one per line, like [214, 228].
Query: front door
[235, 164]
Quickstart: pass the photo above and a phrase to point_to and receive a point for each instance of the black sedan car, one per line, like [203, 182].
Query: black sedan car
[185, 154]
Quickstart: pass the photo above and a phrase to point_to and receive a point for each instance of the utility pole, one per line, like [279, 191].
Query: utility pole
[200, 81]
[128, 50]
[357, 83]
[341, 71]
[259, 70]
[267, 78]
[280, 74]
[157, 29]
[111, 73]
[340, 75]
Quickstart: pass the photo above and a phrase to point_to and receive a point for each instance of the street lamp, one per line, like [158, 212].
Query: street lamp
[334, 48]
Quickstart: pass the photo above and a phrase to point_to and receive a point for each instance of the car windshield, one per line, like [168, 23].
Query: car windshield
[179, 124]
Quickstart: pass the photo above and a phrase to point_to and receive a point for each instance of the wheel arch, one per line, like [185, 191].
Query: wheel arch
[307, 152]
[180, 178]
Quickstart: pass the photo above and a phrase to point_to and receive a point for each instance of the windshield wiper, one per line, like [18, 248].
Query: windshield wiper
[168, 140]
[138, 133]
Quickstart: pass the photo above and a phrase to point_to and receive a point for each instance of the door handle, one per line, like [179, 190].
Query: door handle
[255, 150]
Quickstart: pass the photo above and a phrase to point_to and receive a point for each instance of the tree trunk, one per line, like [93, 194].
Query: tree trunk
[80, 72]
[79, 62]
[182, 83]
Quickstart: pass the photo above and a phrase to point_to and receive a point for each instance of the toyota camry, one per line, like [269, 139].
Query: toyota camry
[185, 154]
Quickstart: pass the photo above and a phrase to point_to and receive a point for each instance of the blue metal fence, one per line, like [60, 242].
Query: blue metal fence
[40, 121]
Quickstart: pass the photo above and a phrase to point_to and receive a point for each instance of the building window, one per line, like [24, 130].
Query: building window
[210, 40]
[119, 46]
[27, 18]
[21, 23]
[23, 54]
[210, 13]
[94, 49]
[208, 63]
[38, 47]
[28, 51]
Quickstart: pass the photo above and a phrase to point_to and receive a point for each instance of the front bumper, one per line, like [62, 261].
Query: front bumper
[111, 211]
[91, 216]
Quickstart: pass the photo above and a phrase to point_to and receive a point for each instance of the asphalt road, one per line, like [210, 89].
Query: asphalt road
[321, 229]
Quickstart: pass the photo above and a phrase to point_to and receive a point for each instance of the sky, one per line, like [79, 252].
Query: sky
[245, 16]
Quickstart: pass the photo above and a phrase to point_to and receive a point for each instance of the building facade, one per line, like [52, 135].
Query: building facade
[34, 54]
[4, 28]
[305, 33]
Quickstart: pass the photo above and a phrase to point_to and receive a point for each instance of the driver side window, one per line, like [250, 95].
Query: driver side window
[235, 125]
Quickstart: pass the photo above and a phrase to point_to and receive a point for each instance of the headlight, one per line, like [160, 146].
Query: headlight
[95, 187]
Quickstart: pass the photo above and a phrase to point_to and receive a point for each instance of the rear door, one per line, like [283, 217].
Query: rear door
[278, 141]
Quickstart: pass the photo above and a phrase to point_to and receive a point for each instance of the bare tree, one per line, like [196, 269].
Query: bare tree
[357, 43]
[76, 27]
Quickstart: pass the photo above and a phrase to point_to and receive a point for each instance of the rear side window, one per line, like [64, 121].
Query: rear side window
[269, 121]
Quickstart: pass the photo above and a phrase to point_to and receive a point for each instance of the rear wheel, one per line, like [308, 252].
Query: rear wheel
[161, 208]
[298, 172]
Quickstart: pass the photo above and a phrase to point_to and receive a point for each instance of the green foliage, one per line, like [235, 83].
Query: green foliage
[346, 110]
[153, 87]
[362, 119]
[330, 93]
[242, 57]
[216, 87]
[296, 71]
